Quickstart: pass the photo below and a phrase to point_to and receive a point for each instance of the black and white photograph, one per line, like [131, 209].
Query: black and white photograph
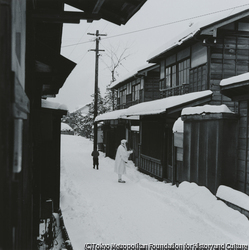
[124, 124]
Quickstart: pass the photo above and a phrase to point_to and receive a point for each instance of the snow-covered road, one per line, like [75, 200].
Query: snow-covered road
[98, 209]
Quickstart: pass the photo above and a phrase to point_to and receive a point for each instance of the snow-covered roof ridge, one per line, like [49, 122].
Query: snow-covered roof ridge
[206, 109]
[161, 105]
[132, 73]
[235, 79]
[113, 115]
[194, 28]
[79, 107]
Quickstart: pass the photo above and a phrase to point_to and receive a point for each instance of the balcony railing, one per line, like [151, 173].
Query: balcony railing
[178, 90]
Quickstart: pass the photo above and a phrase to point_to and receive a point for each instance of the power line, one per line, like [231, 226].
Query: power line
[161, 25]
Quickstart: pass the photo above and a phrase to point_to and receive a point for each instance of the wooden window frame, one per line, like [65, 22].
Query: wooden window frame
[136, 92]
[172, 74]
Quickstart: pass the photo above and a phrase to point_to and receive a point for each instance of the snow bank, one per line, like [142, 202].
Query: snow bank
[233, 196]
[97, 209]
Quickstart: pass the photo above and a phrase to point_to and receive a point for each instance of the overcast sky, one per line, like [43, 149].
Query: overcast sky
[140, 37]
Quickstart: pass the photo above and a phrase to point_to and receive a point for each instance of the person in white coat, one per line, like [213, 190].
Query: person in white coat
[121, 159]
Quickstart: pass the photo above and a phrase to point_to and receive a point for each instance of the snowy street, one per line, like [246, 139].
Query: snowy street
[98, 209]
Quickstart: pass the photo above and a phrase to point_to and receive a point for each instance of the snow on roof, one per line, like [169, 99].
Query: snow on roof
[206, 109]
[53, 105]
[161, 105]
[178, 126]
[193, 29]
[113, 115]
[131, 74]
[233, 196]
[235, 79]
[65, 127]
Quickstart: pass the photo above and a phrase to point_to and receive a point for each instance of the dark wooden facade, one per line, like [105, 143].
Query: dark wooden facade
[140, 87]
[114, 132]
[31, 68]
[209, 158]
[239, 91]
[219, 50]
[156, 138]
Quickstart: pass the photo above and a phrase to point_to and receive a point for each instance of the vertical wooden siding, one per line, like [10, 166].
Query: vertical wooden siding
[229, 57]
[151, 87]
[243, 150]
[210, 152]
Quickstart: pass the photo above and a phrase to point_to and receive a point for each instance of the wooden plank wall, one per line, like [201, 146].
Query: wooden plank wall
[210, 152]
[151, 87]
[243, 149]
[229, 57]
[6, 128]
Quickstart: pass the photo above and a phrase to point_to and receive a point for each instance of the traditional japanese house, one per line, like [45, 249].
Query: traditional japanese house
[195, 61]
[156, 139]
[140, 86]
[32, 69]
[237, 88]
[114, 129]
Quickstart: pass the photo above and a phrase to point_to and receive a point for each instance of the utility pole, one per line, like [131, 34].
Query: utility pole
[96, 84]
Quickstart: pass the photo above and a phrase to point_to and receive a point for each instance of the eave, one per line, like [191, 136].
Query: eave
[118, 12]
[236, 91]
[46, 17]
[194, 33]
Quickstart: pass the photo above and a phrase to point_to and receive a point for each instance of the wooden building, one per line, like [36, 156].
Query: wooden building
[195, 61]
[32, 69]
[140, 86]
[114, 130]
[209, 141]
[237, 88]
[156, 138]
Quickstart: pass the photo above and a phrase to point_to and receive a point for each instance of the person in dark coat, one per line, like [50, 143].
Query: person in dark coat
[95, 155]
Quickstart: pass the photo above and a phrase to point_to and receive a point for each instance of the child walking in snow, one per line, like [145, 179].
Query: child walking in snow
[95, 155]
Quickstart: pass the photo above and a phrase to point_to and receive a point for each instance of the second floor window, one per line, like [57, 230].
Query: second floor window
[176, 75]
[135, 92]
[123, 96]
[183, 72]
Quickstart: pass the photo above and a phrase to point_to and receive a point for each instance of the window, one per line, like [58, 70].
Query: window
[176, 75]
[135, 92]
[167, 77]
[184, 72]
[123, 96]
[128, 88]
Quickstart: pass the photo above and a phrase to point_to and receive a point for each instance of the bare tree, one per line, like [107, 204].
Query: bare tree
[117, 56]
